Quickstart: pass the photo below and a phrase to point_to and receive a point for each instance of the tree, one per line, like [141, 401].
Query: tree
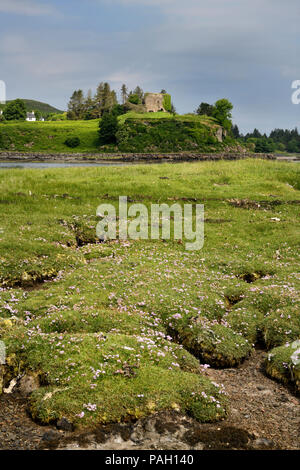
[109, 98]
[256, 134]
[264, 145]
[98, 101]
[114, 99]
[134, 99]
[38, 115]
[15, 111]
[163, 92]
[222, 113]
[293, 146]
[281, 147]
[105, 99]
[89, 106]
[108, 128]
[118, 109]
[235, 132]
[205, 109]
[124, 93]
[76, 107]
[139, 92]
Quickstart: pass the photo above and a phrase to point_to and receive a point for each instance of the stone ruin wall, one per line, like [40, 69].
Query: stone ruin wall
[154, 102]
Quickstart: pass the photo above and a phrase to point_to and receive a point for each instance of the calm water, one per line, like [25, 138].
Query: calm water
[41, 165]
[57, 165]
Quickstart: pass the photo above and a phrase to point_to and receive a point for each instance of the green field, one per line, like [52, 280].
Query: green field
[48, 136]
[150, 132]
[160, 115]
[123, 329]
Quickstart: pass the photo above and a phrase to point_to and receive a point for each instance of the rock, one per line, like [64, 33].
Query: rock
[283, 398]
[1, 378]
[263, 443]
[51, 436]
[65, 425]
[11, 386]
[28, 384]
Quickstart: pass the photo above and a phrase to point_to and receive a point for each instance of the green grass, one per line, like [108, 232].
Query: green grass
[122, 326]
[172, 134]
[150, 132]
[161, 115]
[48, 136]
[283, 364]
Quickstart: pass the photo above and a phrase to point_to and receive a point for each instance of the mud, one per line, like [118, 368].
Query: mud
[264, 415]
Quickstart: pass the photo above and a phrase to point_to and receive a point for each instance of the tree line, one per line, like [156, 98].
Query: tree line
[105, 100]
[220, 111]
[279, 140]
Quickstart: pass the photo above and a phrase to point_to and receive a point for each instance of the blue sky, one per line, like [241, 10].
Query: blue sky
[246, 51]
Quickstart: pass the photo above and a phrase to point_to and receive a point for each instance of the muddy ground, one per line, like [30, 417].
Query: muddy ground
[264, 415]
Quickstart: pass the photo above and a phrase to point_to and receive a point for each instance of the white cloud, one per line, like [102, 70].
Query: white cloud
[26, 7]
[199, 50]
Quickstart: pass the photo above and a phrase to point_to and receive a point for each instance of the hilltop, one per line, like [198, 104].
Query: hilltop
[44, 108]
[150, 132]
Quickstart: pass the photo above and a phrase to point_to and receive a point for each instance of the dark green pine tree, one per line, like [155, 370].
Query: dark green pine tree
[108, 128]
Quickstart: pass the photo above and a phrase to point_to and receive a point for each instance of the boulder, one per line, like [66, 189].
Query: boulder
[28, 384]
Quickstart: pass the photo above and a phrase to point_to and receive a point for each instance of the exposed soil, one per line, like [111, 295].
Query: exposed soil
[259, 405]
[248, 204]
[264, 415]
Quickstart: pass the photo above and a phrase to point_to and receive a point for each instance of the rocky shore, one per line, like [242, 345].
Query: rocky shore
[127, 157]
[263, 416]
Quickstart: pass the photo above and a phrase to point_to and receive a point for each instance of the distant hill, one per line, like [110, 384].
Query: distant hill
[44, 108]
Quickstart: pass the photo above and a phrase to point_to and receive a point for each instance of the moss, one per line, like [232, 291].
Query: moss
[216, 344]
[117, 374]
[167, 103]
[246, 321]
[135, 293]
[283, 364]
[281, 326]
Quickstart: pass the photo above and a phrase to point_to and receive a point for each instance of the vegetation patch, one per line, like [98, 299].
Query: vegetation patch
[72, 142]
[215, 344]
[167, 135]
[225, 438]
[124, 329]
[283, 364]
[130, 132]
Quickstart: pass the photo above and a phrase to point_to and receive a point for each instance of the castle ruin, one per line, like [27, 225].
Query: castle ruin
[154, 102]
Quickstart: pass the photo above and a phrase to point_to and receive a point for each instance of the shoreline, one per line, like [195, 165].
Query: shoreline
[126, 157]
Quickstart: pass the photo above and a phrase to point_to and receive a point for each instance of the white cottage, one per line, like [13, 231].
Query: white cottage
[31, 117]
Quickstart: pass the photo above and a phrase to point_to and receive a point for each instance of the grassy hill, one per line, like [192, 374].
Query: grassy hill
[48, 136]
[161, 132]
[151, 132]
[44, 108]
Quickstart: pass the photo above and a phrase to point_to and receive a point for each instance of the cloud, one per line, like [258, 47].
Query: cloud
[245, 50]
[26, 7]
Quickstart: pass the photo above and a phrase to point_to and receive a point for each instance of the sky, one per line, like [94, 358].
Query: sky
[245, 50]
